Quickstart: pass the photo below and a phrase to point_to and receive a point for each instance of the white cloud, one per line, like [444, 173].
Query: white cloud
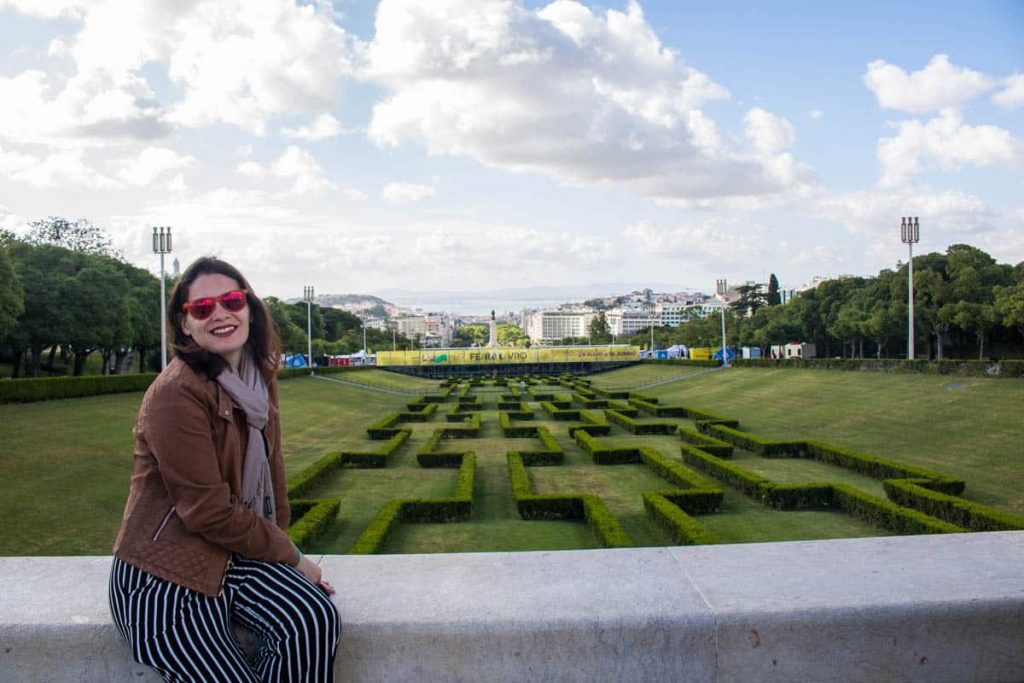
[769, 133]
[322, 127]
[587, 98]
[231, 61]
[152, 163]
[53, 170]
[945, 142]
[405, 193]
[48, 9]
[299, 164]
[251, 168]
[938, 85]
[699, 244]
[816, 114]
[1013, 94]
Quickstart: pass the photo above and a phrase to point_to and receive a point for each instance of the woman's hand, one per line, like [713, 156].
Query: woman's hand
[311, 570]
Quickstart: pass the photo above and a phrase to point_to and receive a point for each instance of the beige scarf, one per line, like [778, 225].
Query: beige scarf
[249, 392]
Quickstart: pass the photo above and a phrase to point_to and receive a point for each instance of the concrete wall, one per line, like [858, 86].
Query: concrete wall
[879, 609]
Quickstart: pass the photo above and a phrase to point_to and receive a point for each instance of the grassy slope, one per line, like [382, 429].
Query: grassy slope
[968, 427]
[65, 464]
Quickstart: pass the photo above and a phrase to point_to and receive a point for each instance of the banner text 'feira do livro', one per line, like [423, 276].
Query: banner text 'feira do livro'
[509, 355]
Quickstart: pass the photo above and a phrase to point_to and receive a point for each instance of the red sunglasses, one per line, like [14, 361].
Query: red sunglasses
[203, 308]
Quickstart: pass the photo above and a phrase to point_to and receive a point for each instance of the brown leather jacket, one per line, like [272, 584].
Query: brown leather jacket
[184, 518]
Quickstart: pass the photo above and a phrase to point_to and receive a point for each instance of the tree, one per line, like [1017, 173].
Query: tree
[80, 235]
[1009, 306]
[512, 335]
[12, 298]
[600, 330]
[751, 299]
[773, 297]
[471, 335]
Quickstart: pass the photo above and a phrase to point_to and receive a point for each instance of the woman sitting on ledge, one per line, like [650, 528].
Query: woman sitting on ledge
[202, 544]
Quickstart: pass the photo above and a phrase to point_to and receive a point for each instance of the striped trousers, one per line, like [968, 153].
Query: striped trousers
[188, 636]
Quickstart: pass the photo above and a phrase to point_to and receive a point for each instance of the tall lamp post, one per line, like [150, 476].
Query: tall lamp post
[162, 246]
[307, 295]
[910, 234]
[364, 337]
[722, 288]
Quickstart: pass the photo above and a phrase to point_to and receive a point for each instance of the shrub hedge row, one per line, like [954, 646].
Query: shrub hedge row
[55, 388]
[968, 368]
[888, 515]
[310, 477]
[881, 468]
[561, 506]
[706, 443]
[385, 427]
[315, 517]
[592, 402]
[606, 455]
[596, 425]
[611, 393]
[457, 508]
[637, 427]
[766, 448]
[666, 510]
[917, 494]
[560, 413]
[657, 410]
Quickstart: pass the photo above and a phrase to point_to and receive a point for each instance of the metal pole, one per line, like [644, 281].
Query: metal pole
[723, 290]
[364, 336]
[393, 347]
[163, 316]
[162, 246]
[308, 296]
[910, 234]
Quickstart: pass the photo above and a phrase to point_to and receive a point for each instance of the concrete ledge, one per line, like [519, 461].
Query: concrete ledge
[897, 608]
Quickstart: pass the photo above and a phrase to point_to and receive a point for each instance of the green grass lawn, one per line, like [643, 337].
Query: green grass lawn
[65, 464]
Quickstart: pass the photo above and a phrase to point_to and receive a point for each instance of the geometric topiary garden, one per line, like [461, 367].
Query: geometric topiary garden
[574, 453]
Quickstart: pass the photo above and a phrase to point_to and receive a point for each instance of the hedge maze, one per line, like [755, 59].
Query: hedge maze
[555, 452]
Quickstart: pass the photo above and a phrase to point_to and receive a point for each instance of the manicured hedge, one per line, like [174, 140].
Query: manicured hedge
[637, 427]
[881, 468]
[595, 425]
[374, 459]
[708, 444]
[317, 516]
[591, 401]
[56, 388]
[665, 510]
[308, 478]
[766, 448]
[967, 368]
[606, 455]
[682, 361]
[917, 494]
[457, 508]
[560, 413]
[658, 410]
[384, 428]
[888, 515]
[611, 393]
[743, 480]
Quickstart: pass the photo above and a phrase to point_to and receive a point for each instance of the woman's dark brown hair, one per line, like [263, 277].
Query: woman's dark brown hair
[264, 343]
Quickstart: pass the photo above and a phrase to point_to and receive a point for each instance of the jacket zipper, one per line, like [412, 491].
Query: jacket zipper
[167, 518]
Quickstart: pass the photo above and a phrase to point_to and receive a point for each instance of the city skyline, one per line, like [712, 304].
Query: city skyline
[470, 145]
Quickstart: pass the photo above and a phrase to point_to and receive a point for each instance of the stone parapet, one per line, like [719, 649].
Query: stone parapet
[909, 608]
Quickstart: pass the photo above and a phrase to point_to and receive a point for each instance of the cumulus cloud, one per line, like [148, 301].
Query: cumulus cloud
[406, 193]
[151, 163]
[585, 97]
[697, 244]
[251, 168]
[322, 127]
[232, 63]
[1012, 94]
[768, 133]
[298, 164]
[816, 114]
[944, 142]
[62, 167]
[938, 85]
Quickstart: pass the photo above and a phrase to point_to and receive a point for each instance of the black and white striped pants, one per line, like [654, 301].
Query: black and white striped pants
[188, 636]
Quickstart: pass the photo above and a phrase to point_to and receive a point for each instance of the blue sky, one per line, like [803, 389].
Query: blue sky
[476, 144]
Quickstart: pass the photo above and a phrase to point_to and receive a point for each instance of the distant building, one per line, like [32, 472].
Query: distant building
[630, 321]
[551, 326]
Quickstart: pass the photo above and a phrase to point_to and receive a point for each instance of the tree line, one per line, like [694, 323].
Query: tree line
[66, 293]
[965, 305]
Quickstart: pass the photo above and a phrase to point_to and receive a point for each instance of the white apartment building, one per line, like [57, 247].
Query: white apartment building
[629, 321]
[551, 326]
[434, 329]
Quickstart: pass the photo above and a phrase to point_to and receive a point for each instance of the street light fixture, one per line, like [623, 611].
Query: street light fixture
[162, 246]
[722, 287]
[910, 234]
[307, 295]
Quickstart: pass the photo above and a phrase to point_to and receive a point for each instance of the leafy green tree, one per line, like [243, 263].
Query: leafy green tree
[12, 298]
[1009, 306]
[293, 337]
[79, 235]
[600, 330]
[512, 335]
[471, 335]
[773, 298]
[752, 298]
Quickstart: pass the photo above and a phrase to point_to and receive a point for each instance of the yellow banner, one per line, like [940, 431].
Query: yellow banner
[702, 353]
[508, 355]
